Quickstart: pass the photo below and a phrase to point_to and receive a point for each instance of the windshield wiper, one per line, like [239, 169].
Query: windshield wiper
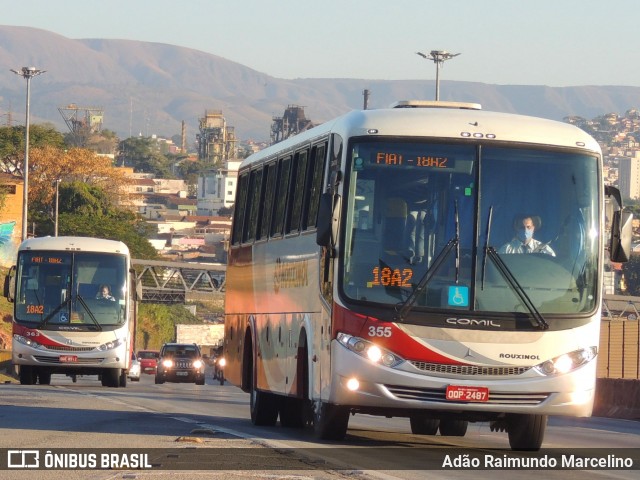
[407, 305]
[538, 319]
[91, 315]
[507, 274]
[46, 319]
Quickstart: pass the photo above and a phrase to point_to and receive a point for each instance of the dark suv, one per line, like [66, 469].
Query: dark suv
[180, 362]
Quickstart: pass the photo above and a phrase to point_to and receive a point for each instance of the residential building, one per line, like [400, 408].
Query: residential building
[217, 188]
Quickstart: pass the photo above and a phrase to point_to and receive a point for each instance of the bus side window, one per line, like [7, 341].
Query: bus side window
[314, 187]
[284, 170]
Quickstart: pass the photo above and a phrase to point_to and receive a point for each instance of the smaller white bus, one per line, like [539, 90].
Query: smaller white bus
[74, 309]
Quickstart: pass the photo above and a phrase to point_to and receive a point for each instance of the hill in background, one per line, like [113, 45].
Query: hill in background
[150, 88]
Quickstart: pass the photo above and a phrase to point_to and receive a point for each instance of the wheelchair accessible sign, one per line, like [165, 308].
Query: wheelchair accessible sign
[458, 296]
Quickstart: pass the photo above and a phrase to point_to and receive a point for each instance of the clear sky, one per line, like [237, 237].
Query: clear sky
[541, 42]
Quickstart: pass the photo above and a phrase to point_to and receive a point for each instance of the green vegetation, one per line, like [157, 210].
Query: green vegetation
[156, 324]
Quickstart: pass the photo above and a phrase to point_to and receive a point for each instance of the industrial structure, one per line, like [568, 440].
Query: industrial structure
[291, 123]
[216, 141]
[82, 121]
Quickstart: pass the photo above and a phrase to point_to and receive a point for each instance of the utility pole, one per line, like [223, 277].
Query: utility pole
[438, 57]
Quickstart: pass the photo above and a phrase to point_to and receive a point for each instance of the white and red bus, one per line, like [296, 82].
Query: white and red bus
[74, 309]
[368, 272]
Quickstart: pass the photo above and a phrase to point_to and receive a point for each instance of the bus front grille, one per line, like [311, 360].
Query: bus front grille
[62, 348]
[438, 395]
[469, 369]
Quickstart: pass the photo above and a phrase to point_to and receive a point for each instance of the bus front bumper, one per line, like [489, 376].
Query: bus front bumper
[407, 388]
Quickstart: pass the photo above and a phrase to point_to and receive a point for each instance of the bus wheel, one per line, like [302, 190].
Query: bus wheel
[453, 428]
[111, 377]
[44, 378]
[264, 408]
[330, 422]
[424, 426]
[526, 432]
[292, 412]
[28, 375]
[122, 382]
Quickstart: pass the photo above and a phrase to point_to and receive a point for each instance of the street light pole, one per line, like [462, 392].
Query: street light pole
[438, 57]
[57, 182]
[27, 73]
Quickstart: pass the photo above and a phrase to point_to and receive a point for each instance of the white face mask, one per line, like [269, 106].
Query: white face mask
[525, 234]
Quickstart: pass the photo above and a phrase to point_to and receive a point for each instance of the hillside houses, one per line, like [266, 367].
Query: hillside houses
[179, 232]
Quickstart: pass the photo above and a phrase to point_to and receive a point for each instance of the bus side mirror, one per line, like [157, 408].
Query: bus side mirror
[621, 234]
[10, 284]
[325, 211]
[621, 227]
[328, 216]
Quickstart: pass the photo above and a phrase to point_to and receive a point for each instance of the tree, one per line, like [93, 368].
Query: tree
[48, 164]
[144, 155]
[12, 145]
[88, 211]
[631, 271]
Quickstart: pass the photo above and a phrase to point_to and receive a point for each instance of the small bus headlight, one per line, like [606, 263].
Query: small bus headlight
[27, 341]
[369, 350]
[567, 362]
[111, 345]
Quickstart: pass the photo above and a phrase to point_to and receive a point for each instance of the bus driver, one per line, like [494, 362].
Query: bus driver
[523, 242]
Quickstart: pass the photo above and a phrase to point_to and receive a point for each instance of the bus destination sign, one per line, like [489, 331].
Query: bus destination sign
[428, 161]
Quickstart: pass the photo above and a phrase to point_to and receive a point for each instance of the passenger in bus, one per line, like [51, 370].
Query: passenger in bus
[104, 293]
[523, 241]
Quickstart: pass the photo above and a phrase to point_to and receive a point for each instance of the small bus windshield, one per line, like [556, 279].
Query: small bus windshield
[57, 289]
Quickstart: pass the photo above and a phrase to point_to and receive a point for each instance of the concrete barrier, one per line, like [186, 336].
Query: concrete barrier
[617, 398]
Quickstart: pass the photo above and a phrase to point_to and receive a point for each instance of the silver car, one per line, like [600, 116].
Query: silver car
[134, 369]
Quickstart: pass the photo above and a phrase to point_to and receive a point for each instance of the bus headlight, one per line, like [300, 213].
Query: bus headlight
[27, 341]
[369, 350]
[567, 362]
[111, 345]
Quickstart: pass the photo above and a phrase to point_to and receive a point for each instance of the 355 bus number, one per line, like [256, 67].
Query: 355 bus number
[391, 277]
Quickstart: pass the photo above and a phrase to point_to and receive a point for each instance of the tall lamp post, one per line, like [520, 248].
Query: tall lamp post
[27, 73]
[438, 57]
[57, 183]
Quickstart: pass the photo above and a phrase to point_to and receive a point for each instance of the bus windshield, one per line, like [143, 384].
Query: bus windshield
[58, 290]
[417, 210]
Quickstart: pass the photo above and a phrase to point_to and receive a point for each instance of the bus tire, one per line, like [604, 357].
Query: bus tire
[526, 432]
[453, 428]
[264, 408]
[111, 377]
[292, 413]
[28, 375]
[424, 426]
[122, 381]
[44, 378]
[330, 421]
